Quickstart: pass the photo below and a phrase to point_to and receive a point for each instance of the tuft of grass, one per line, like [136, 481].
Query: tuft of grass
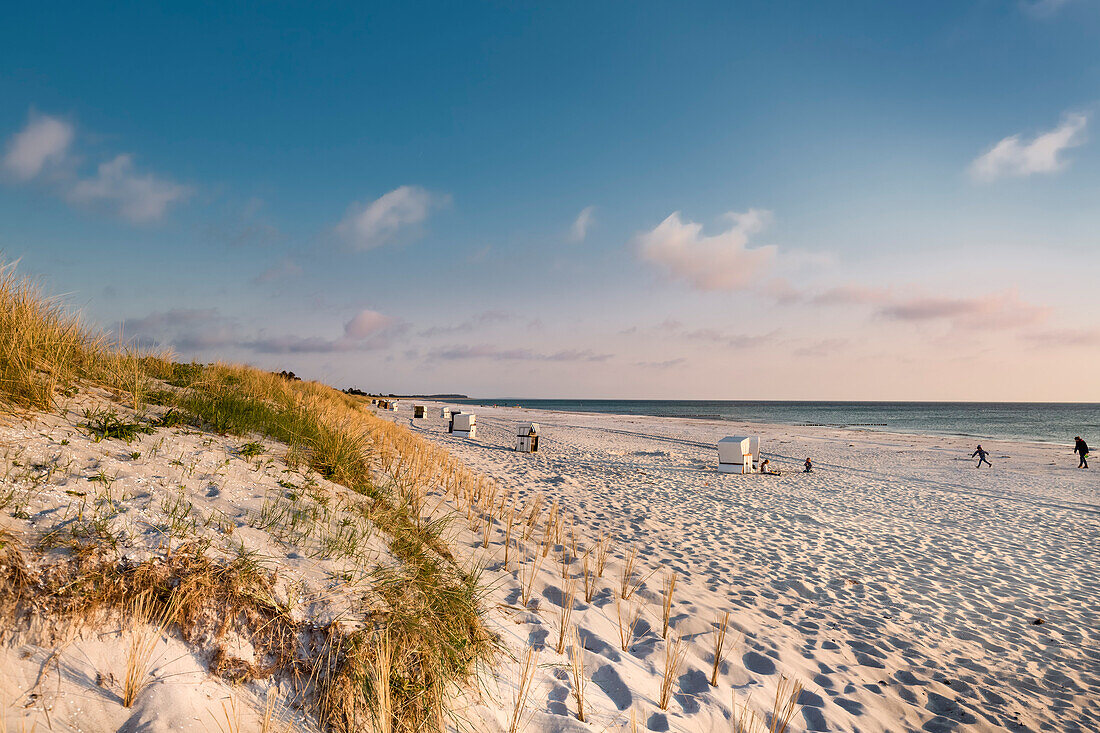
[527, 575]
[43, 346]
[785, 704]
[527, 666]
[576, 673]
[602, 548]
[565, 613]
[147, 625]
[103, 424]
[589, 579]
[627, 585]
[628, 618]
[666, 605]
[720, 628]
[381, 674]
[508, 534]
[674, 657]
[250, 450]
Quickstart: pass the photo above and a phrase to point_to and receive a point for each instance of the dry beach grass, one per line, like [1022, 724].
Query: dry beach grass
[425, 606]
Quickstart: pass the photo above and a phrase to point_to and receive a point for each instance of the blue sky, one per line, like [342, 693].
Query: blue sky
[712, 200]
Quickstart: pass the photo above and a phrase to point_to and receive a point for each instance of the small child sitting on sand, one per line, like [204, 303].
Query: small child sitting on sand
[809, 466]
[765, 467]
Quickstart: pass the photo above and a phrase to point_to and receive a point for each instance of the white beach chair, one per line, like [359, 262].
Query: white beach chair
[464, 425]
[418, 411]
[736, 453]
[527, 438]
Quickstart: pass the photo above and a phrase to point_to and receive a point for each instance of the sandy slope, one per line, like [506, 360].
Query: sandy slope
[175, 486]
[897, 582]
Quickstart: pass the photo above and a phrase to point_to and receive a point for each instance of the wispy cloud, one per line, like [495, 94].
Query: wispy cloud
[710, 263]
[1014, 157]
[995, 311]
[666, 364]
[493, 353]
[822, 348]
[580, 226]
[244, 227]
[207, 330]
[284, 269]
[138, 198]
[1042, 8]
[373, 224]
[44, 141]
[474, 323]
[675, 329]
[1064, 337]
[186, 329]
[999, 311]
[47, 141]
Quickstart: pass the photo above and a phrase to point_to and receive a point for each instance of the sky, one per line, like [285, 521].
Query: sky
[694, 200]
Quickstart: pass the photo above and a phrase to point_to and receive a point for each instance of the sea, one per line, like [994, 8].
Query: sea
[1050, 422]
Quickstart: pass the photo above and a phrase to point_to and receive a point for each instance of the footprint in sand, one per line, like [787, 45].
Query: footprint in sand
[608, 680]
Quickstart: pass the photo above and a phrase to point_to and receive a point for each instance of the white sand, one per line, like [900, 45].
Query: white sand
[898, 583]
[53, 474]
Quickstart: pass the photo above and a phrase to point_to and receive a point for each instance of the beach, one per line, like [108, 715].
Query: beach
[905, 589]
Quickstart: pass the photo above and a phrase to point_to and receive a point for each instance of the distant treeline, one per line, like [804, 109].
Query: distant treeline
[361, 393]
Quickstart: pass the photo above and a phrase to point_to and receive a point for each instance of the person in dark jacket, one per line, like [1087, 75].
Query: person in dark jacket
[981, 454]
[1082, 448]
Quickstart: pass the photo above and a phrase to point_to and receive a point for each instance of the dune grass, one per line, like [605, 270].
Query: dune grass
[675, 651]
[528, 665]
[430, 607]
[565, 613]
[576, 673]
[721, 627]
[669, 587]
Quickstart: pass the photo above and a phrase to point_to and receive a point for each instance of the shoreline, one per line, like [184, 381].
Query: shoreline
[730, 421]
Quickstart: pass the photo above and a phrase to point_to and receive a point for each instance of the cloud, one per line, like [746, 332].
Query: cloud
[199, 330]
[140, 199]
[1064, 337]
[243, 227]
[493, 353]
[822, 347]
[366, 226]
[851, 295]
[1001, 311]
[281, 270]
[470, 324]
[580, 225]
[996, 311]
[675, 329]
[1042, 8]
[45, 140]
[367, 323]
[667, 364]
[1013, 158]
[186, 329]
[710, 263]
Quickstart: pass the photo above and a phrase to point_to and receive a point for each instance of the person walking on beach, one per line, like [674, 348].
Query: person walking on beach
[809, 466]
[1082, 448]
[981, 454]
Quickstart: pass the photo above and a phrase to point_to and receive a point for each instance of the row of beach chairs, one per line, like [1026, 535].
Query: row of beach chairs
[736, 453]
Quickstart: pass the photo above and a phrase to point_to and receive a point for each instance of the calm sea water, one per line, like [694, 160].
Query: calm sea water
[1031, 421]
